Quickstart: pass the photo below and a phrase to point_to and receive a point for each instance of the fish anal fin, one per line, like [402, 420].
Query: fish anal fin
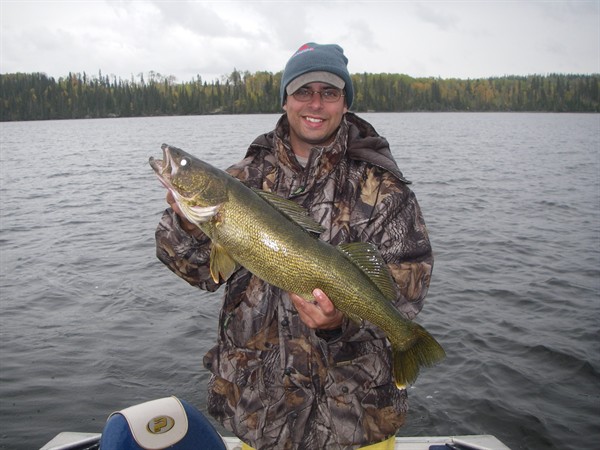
[367, 257]
[293, 211]
[222, 265]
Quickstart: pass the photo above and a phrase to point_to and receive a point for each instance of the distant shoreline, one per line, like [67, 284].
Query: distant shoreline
[36, 96]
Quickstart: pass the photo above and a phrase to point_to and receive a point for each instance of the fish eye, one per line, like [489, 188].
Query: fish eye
[184, 162]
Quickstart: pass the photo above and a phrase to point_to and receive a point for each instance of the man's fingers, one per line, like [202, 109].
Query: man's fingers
[318, 314]
[323, 302]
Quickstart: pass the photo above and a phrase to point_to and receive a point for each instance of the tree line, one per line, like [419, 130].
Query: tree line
[36, 96]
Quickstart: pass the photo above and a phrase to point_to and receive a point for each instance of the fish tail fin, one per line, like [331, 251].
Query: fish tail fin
[425, 351]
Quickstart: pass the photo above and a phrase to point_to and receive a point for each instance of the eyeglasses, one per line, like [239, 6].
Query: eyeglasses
[330, 95]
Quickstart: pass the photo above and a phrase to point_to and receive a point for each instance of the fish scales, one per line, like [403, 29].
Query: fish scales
[291, 259]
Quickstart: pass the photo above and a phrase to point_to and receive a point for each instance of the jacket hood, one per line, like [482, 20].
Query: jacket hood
[367, 145]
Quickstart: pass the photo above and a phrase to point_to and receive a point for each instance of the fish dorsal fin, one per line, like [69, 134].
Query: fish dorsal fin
[292, 211]
[367, 257]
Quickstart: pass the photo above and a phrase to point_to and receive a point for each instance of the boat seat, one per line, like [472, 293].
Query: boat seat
[160, 424]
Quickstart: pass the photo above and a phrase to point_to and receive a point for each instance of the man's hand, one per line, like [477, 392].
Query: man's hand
[320, 314]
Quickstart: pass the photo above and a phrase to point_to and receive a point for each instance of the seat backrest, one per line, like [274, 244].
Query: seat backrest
[160, 424]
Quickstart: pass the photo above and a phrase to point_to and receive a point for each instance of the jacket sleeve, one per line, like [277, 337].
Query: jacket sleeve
[187, 255]
[395, 225]
[399, 231]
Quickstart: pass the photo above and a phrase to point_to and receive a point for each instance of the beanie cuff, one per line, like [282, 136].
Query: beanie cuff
[315, 77]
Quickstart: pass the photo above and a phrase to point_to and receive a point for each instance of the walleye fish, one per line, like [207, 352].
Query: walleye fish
[276, 240]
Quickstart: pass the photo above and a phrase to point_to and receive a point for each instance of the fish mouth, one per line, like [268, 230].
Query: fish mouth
[164, 168]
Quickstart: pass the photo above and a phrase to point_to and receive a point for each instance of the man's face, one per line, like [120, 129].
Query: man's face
[314, 122]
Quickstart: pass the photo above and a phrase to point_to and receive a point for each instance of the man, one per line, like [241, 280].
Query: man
[286, 373]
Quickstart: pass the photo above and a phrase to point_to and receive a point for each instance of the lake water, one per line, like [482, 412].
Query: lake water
[91, 322]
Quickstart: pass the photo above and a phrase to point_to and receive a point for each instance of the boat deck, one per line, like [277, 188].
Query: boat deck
[89, 441]
[475, 442]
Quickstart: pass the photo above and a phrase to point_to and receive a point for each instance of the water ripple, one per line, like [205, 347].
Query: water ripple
[90, 317]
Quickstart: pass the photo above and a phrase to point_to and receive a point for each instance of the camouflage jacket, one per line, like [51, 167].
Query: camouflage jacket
[276, 383]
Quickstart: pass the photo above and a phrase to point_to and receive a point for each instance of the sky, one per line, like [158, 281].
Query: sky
[184, 39]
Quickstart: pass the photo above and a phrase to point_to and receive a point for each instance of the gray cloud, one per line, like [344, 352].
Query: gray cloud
[186, 38]
[433, 14]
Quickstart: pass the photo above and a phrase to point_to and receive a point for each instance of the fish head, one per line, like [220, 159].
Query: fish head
[198, 187]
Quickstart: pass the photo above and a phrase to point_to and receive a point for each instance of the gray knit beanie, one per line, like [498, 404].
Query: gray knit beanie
[325, 63]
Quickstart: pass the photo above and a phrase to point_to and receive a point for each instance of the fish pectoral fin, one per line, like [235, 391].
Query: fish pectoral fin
[367, 257]
[222, 265]
[292, 211]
